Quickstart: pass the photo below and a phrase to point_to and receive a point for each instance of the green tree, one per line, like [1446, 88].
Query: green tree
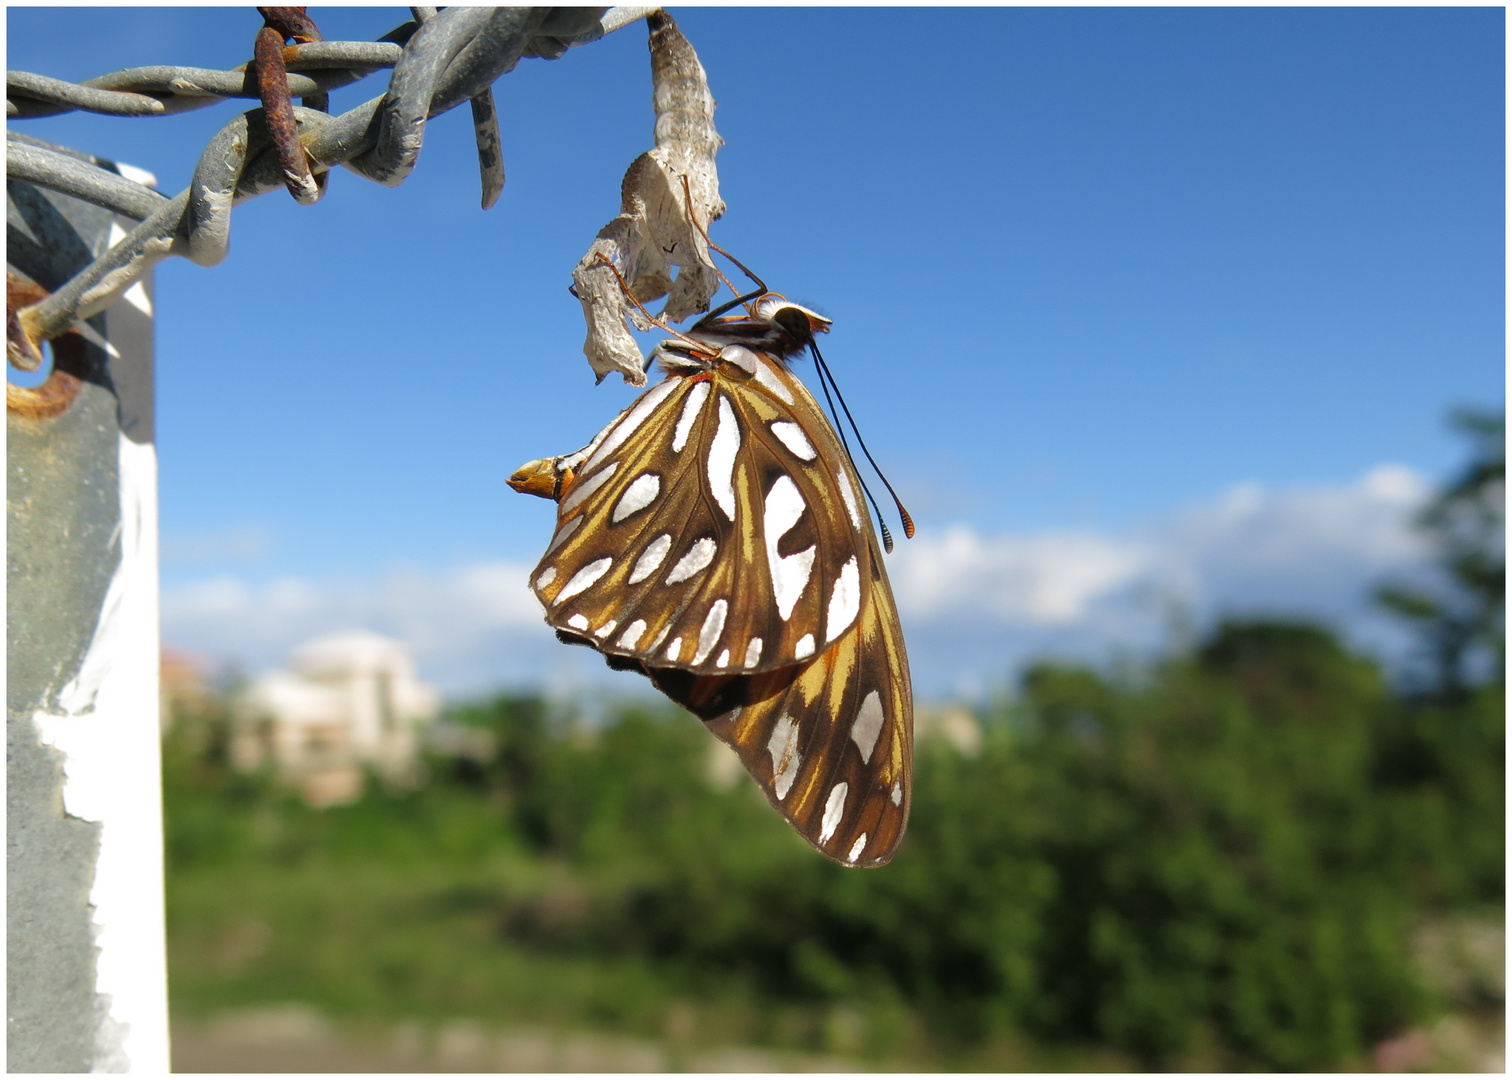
[1440, 758]
[1213, 844]
[1463, 618]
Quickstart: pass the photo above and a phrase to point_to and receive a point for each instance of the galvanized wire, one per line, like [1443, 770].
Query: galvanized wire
[439, 60]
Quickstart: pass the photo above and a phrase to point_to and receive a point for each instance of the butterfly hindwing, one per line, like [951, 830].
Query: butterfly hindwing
[715, 526]
[830, 741]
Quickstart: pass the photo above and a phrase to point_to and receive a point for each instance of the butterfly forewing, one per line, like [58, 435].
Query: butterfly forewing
[716, 527]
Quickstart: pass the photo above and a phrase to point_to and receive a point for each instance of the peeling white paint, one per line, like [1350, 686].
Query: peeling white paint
[141, 176]
[95, 338]
[108, 734]
[137, 297]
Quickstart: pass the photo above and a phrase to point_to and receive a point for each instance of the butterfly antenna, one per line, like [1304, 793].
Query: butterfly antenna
[887, 540]
[825, 373]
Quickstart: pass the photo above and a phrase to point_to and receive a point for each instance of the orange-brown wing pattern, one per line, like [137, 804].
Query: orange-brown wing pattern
[829, 742]
[713, 537]
[716, 527]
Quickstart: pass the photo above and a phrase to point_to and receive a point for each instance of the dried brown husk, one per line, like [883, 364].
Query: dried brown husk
[653, 233]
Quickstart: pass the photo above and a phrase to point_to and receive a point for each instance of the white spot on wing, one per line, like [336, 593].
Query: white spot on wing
[724, 659]
[578, 621]
[834, 810]
[722, 451]
[637, 496]
[713, 626]
[632, 634]
[604, 631]
[584, 578]
[845, 601]
[563, 533]
[634, 418]
[868, 725]
[753, 653]
[584, 488]
[848, 494]
[805, 647]
[794, 439]
[857, 848]
[587, 451]
[790, 575]
[548, 575]
[651, 558]
[783, 746]
[700, 555]
[768, 378]
[741, 357]
[674, 648]
[897, 794]
[691, 409]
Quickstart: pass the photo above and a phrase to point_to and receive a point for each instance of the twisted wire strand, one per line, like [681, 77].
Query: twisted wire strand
[163, 89]
[440, 60]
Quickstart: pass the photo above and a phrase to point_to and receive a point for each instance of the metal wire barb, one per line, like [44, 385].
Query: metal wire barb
[440, 59]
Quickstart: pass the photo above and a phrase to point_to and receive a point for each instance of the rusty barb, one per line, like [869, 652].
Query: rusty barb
[291, 22]
[70, 360]
[279, 25]
[440, 59]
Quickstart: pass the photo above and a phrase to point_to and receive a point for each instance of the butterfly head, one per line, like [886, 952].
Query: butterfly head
[796, 323]
[776, 327]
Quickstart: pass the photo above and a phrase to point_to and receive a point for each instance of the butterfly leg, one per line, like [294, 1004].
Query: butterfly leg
[760, 290]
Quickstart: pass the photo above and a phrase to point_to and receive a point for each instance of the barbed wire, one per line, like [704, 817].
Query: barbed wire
[440, 59]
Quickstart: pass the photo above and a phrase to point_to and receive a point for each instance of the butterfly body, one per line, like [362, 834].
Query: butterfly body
[714, 537]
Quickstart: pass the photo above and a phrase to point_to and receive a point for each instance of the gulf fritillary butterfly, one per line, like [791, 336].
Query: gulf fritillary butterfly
[714, 538]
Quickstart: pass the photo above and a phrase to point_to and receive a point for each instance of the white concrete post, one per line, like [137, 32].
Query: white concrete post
[86, 972]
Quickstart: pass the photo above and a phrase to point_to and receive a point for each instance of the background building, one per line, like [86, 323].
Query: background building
[351, 702]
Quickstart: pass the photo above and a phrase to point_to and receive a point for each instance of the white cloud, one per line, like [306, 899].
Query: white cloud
[1309, 550]
[974, 606]
[1290, 547]
[1049, 578]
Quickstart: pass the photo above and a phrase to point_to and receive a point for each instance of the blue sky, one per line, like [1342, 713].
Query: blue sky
[1138, 308]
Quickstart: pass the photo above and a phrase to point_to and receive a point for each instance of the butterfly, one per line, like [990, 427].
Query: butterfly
[713, 537]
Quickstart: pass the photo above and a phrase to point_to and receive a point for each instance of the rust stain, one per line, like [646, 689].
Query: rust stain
[268, 64]
[70, 358]
[292, 22]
